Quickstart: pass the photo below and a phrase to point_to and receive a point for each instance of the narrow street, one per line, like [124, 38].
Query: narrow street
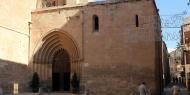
[183, 89]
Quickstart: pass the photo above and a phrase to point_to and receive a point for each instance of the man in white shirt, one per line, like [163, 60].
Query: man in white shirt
[1, 91]
[142, 89]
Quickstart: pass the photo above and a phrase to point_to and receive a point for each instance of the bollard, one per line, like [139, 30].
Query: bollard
[15, 88]
[40, 91]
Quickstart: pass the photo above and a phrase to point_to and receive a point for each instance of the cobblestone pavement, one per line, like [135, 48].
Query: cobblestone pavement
[183, 90]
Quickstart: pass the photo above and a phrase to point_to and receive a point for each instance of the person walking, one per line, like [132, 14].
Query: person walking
[1, 90]
[142, 89]
[175, 90]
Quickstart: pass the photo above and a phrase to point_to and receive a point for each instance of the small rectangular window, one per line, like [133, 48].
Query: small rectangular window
[95, 23]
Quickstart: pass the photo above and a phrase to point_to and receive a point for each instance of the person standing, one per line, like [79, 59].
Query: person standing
[175, 90]
[142, 89]
[1, 91]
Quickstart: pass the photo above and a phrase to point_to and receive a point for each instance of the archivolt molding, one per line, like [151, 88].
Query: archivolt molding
[52, 42]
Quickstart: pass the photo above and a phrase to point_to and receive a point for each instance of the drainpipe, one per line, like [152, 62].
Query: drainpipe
[29, 28]
[82, 59]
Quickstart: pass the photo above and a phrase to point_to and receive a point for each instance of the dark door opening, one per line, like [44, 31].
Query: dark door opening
[66, 81]
[61, 71]
[56, 81]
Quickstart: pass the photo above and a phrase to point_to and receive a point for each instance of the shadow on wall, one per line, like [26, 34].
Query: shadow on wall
[13, 72]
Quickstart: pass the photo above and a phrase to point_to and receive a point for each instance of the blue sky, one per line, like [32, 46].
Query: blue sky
[169, 8]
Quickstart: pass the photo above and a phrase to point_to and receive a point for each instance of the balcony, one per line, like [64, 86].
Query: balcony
[52, 3]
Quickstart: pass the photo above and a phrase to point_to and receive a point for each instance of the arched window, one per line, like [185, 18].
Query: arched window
[137, 20]
[95, 23]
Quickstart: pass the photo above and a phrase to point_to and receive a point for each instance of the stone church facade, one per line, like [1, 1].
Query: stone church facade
[112, 46]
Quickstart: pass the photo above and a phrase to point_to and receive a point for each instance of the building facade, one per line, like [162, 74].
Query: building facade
[99, 45]
[177, 66]
[165, 65]
[185, 41]
[111, 48]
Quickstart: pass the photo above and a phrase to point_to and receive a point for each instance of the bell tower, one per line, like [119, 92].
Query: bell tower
[53, 3]
[50, 3]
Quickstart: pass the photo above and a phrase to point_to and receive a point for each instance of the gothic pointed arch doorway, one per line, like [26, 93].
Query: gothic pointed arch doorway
[61, 71]
[56, 57]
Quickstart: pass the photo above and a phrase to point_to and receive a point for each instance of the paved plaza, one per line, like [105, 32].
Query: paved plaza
[183, 90]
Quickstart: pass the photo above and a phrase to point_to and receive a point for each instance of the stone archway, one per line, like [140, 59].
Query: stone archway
[56, 49]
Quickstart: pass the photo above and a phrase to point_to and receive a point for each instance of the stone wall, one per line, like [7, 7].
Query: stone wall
[10, 73]
[14, 38]
[120, 56]
[14, 30]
